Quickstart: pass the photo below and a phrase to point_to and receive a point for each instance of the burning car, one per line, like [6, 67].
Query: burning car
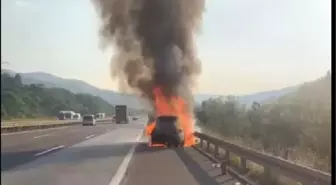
[167, 131]
[169, 123]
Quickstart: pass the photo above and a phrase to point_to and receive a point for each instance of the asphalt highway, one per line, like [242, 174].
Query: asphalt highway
[22, 147]
[106, 154]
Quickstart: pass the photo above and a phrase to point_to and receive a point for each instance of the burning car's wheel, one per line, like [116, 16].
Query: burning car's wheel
[175, 142]
[172, 146]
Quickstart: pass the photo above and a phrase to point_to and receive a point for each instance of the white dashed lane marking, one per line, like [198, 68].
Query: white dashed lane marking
[44, 135]
[49, 150]
[90, 136]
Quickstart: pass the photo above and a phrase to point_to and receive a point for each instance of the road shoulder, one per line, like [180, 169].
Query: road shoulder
[152, 166]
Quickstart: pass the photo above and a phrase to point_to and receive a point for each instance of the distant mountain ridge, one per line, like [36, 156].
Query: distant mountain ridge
[78, 86]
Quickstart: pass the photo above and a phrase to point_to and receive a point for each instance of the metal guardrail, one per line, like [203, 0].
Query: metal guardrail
[33, 122]
[272, 165]
[44, 125]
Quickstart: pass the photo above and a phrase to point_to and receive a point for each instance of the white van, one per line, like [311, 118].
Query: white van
[89, 120]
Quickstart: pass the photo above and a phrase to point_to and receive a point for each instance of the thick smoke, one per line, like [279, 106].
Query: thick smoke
[155, 45]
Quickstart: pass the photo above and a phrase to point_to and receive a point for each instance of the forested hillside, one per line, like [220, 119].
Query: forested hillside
[33, 101]
[297, 126]
[113, 97]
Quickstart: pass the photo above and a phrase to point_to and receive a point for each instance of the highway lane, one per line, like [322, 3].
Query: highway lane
[92, 161]
[22, 147]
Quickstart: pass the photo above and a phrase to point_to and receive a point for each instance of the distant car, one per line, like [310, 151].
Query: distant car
[89, 120]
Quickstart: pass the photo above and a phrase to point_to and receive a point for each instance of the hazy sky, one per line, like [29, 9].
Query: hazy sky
[245, 45]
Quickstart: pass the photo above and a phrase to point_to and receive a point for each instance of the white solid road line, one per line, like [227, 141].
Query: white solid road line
[73, 130]
[109, 130]
[44, 135]
[118, 177]
[49, 150]
[90, 136]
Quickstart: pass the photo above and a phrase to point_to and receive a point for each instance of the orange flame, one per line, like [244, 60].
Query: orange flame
[149, 129]
[173, 106]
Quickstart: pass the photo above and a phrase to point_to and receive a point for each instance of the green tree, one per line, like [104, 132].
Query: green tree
[300, 120]
[19, 100]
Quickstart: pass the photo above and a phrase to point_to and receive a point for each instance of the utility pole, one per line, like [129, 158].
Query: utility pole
[4, 63]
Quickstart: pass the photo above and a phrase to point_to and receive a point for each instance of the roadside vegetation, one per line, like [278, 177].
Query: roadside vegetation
[19, 101]
[296, 126]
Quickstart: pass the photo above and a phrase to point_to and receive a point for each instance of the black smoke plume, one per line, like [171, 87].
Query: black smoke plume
[154, 42]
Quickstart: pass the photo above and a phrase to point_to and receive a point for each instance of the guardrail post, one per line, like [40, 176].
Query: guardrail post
[286, 154]
[208, 146]
[216, 151]
[243, 165]
[223, 166]
[227, 156]
[268, 177]
[226, 162]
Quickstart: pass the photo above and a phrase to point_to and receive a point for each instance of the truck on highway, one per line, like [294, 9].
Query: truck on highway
[100, 115]
[64, 115]
[77, 116]
[121, 114]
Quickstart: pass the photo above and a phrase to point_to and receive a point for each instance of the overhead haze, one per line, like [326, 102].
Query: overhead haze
[245, 46]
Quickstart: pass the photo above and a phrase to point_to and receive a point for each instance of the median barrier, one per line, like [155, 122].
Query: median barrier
[43, 125]
[5, 124]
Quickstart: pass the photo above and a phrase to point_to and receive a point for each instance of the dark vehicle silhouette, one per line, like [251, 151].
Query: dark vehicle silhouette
[167, 131]
[122, 115]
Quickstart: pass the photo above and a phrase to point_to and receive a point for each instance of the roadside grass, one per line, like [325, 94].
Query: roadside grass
[302, 156]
